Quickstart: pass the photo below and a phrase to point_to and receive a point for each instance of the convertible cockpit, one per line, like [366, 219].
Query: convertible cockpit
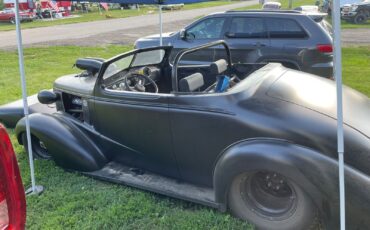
[142, 79]
[149, 71]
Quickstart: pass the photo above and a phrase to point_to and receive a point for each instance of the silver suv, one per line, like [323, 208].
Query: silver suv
[297, 40]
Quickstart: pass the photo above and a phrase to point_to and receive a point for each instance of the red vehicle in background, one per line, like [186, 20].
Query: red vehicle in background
[8, 15]
[12, 195]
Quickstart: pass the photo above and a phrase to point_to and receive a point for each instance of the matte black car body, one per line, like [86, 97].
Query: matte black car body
[273, 119]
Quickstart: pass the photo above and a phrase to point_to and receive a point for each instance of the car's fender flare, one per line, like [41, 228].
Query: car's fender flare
[68, 145]
[313, 171]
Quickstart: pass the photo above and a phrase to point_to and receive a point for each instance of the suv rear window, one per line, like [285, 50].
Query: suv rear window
[244, 27]
[326, 25]
[284, 28]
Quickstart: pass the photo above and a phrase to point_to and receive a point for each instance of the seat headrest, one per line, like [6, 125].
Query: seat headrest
[218, 67]
[191, 83]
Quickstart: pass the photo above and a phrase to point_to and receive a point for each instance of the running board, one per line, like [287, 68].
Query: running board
[121, 174]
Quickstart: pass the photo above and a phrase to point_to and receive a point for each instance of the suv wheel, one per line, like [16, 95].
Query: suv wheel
[360, 18]
[271, 201]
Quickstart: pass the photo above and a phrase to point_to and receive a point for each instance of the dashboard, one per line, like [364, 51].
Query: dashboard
[118, 81]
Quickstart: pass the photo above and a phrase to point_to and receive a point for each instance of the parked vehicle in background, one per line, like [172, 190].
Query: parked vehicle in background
[327, 4]
[24, 5]
[307, 8]
[357, 13]
[8, 15]
[271, 6]
[12, 195]
[298, 40]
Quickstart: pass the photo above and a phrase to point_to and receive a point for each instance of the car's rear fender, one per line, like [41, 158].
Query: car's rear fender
[316, 173]
[68, 145]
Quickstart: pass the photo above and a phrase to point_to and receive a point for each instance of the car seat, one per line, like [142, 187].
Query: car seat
[191, 83]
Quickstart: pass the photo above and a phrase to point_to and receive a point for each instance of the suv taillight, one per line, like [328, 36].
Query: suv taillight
[325, 48]
[12, 196]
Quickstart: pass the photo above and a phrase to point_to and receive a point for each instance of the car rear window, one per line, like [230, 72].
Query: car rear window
[326, 25]
[284, 28]
[243, 27]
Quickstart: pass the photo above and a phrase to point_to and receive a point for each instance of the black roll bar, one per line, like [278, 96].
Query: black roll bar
[192, 50]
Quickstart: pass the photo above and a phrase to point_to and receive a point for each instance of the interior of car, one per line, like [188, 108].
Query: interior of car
[150, 72]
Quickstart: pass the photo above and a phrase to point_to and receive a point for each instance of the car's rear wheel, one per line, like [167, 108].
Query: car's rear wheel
[360, 18]
[271, 201]
[39, 149]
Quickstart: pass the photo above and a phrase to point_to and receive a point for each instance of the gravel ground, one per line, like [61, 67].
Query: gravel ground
[110, 31]
[357, 37]
[350, 37]
[122, 37]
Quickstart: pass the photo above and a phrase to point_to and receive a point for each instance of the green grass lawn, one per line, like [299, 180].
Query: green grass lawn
[96, 15]
[72, 201]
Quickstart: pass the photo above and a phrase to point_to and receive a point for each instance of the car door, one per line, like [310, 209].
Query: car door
[289, 41]
[202, 127]
[199, 33]
[247, 38]
[134, 124]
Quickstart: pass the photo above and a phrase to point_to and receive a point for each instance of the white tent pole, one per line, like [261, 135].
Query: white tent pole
[160, 25]
[99, 8]
[338, 77]
[34, 188]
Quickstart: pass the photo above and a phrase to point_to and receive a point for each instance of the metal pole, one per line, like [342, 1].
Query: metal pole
[290, 4]
[160, 25]
[34, 189]
[338, 77]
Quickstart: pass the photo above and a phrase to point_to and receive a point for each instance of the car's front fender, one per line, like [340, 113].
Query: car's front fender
[316, 173]
[69, 146]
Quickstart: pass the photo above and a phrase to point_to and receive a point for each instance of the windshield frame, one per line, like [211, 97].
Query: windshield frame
[106, 64]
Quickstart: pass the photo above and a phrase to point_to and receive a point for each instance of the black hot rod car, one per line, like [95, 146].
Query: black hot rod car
[259, 140]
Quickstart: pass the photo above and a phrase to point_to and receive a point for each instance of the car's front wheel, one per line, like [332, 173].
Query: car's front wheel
[39, 149]
[271, 201]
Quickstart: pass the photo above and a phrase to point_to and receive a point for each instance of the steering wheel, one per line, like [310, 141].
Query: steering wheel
[138, 82]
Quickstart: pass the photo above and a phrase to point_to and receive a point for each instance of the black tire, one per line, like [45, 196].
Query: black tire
[360, 18]
[271, 201]
[38, 148]
[12, 20]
